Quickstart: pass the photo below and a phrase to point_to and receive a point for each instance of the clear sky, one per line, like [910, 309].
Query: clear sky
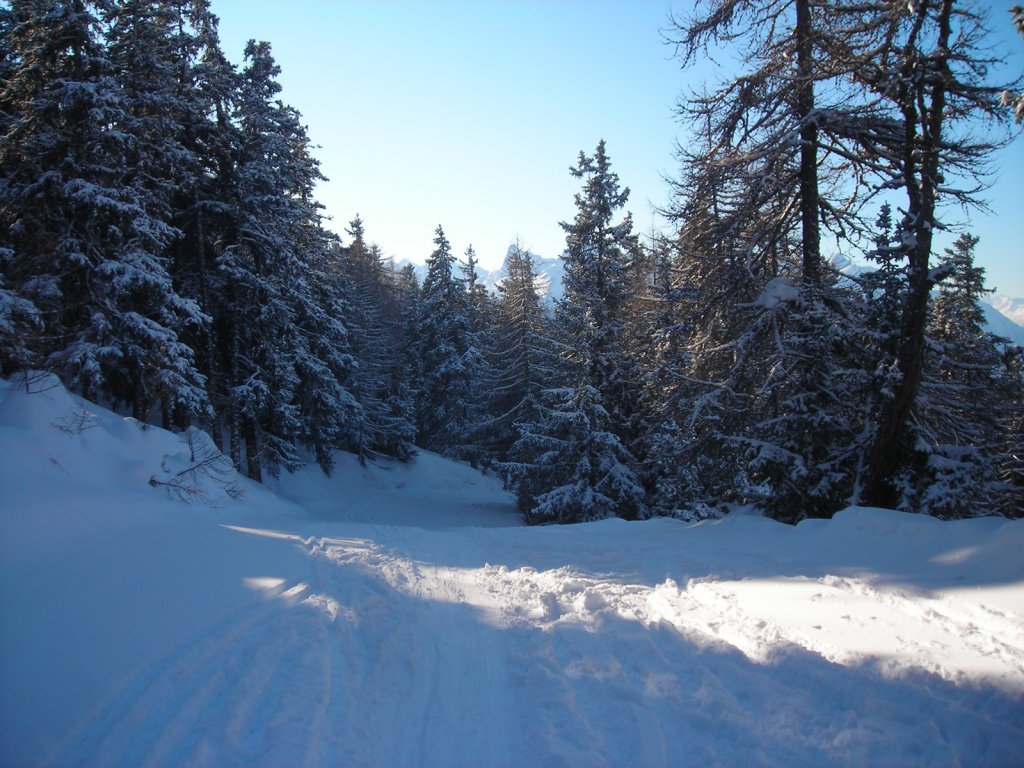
[469, 113]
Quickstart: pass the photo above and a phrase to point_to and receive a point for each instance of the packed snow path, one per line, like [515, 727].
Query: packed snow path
[398, 616]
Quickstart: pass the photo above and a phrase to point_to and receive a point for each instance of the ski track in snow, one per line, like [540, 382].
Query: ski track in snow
[397, 616]
[492, 665]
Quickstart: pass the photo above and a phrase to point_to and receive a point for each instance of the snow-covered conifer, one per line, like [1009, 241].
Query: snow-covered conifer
[443, 343]
[88, 236]
[574, 462]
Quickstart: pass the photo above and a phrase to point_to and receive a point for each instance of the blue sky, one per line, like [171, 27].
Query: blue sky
[469, 115]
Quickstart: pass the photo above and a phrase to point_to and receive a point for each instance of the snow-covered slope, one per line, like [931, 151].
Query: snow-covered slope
[399, 615]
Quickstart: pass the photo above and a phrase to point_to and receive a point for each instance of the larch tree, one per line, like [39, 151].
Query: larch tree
[840, 103]
[929, 142]
[523, 360]
[754, 196]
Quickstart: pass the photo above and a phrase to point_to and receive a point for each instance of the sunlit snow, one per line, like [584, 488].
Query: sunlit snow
[400, 615]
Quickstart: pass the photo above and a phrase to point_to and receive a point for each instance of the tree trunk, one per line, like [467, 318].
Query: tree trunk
[811, 236]
[923, 122]
[252, 454]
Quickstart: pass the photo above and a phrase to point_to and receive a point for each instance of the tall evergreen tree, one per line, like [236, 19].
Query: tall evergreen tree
[522, 359]
[963, 412]
[443, 337]
[934, 92]
[574, 463]
[479, 316]
[287, 356]
[85, 240]
[374, 321]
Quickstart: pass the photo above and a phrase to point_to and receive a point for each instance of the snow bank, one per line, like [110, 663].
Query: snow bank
[398, 615]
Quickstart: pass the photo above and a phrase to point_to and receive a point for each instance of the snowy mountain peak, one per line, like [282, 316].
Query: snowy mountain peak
[548, 273]
[547, 270]
[1005, 317]
[1009, 307]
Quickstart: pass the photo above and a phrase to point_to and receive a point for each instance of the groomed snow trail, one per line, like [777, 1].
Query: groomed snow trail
[401, 646]
[398, 616]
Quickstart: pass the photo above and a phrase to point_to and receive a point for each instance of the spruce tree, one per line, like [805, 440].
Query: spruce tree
[479, 316]
[376, 336]
[85, 238]
[574, 463]
[443, 343]
[286, 354]
[963, 414]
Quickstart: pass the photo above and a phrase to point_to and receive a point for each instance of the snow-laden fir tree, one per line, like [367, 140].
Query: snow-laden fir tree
[479, 314]
[84, 237]
[664, 330]
[206, 89]
[445, 354]
[285, 345]
[573, 462]
[966, 405]
[405, 374]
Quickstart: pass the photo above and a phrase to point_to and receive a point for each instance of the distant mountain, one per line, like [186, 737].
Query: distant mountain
[1009, 324]
[1011, 308]
[548, 271]
[1004, 316]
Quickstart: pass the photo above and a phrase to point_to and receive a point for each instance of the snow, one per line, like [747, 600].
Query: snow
[1009, 307]
[400, 615]
[779, 290]
[548, 273]
[1004, 317]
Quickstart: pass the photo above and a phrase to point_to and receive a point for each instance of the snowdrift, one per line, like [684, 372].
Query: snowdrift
[399, 615]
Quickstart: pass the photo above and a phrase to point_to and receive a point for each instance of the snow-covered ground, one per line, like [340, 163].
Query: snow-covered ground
[399, 616]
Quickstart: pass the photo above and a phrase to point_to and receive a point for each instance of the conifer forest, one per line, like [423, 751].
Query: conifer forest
[162, 251]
